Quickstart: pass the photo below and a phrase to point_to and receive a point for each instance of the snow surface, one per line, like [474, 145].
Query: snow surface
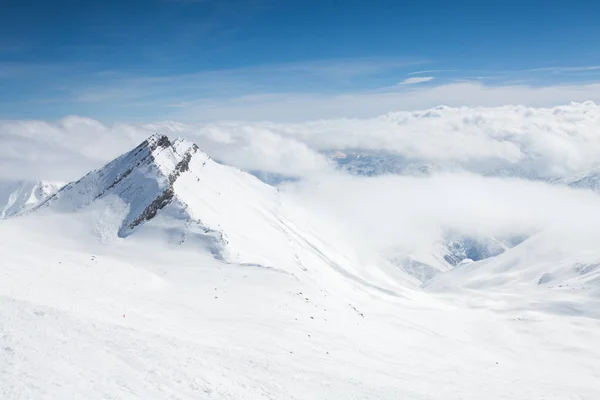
[85, 319]
[166, 275]
[17, 197]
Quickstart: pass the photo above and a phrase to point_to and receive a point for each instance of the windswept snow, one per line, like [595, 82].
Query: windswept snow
[96, 321]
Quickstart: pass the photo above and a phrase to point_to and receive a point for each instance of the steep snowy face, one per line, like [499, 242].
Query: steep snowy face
[17, 197]
[141, 181]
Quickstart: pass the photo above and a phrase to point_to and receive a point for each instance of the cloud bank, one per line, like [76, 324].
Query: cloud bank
[467, 145]
[408, 214]
[535, 142]
[291, 107]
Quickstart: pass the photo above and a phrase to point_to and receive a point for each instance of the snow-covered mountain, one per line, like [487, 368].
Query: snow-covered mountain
[17, 197]
[589, 179]
[556, 274]
[363, 162]
[374, 163]
[452, 250]
[139, 183]
[173, 190]
[167, 274]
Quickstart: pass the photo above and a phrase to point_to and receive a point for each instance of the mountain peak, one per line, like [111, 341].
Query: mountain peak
[139, 181]
[157, 140]
[170, 190]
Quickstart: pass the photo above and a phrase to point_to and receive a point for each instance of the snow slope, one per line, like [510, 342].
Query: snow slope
[19, 196]
[167, 275]
[135, 319]
[551, 271]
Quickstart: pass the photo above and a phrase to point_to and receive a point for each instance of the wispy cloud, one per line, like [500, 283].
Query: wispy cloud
[429, 71]
[416, 79]
[286, 107]
[565, 69]
[316, 76]
[498, 73]
[295, 91]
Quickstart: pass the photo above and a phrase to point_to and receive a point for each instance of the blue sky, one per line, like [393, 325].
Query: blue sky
[192, 59]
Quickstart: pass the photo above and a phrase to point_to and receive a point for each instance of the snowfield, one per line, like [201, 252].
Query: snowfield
[166, 275]
[121, 323]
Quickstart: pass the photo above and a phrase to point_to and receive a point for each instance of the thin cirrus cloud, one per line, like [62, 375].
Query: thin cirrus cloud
[318, 74]
[294, 92]
[416, 79]
[299, 107]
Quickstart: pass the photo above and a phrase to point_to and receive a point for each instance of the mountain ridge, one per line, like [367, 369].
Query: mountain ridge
[156, 161]
[17, 197]
[174, 190]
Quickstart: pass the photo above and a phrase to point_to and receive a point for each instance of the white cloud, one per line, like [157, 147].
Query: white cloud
[407, 214]
[378, 212]
[566, 69]
[62, 150]
[547, 142]
[416, 79]
[251, 147]
[296, 107]
[183, 89]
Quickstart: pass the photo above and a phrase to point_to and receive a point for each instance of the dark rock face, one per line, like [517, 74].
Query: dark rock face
[162, 142]
[182, 166]
[167, 196]
[157, 204]
[152, 143]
